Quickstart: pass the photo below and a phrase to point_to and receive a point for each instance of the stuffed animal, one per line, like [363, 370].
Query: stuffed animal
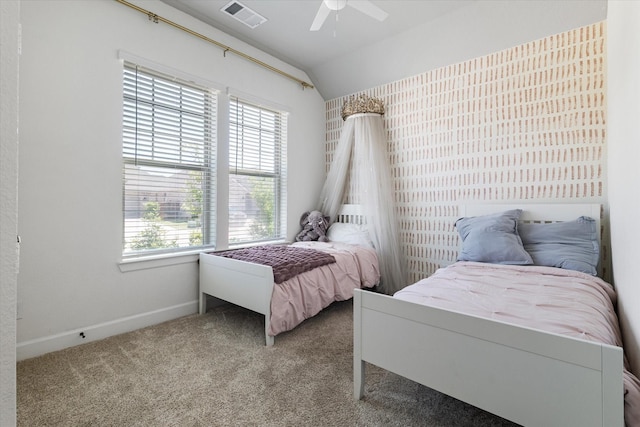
[314, 227]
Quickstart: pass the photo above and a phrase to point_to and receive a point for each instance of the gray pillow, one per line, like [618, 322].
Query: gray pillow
[493, 239]
[572, 245]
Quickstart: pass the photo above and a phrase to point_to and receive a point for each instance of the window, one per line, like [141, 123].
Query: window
[169, 168]
[257, 172]
[168, 153]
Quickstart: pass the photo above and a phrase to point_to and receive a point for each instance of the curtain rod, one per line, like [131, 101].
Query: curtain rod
[155, 18]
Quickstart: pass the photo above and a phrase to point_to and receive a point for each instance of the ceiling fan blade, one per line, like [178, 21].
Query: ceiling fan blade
[368, 8]
[321, 16]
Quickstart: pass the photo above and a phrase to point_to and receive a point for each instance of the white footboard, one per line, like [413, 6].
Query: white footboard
[527, 376]
[238, 282]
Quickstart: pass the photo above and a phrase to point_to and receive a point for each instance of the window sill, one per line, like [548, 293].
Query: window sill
[166, 260]
[157, 261]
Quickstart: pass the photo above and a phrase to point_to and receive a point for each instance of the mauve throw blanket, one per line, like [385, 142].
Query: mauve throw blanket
[286, 261]
[551, 299]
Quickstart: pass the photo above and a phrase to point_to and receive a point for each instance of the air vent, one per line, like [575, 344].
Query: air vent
[243, 14]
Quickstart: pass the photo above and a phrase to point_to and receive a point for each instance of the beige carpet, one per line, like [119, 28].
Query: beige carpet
[214, 370]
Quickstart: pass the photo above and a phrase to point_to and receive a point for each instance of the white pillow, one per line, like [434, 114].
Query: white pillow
[352, 234]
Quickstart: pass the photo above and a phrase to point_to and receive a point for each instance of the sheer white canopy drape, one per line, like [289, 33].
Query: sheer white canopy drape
[361, 163]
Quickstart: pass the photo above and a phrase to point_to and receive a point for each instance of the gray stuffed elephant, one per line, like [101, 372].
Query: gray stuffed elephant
[314, 227]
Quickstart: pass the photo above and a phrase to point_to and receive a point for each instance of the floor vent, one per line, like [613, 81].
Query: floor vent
[243, 14]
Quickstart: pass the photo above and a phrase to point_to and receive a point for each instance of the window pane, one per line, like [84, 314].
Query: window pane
[168, 163]
[163, 208]
[257, 178]
[252, 209]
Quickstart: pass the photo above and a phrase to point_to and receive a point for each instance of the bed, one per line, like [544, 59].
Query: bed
[496, 361]
[287, 304]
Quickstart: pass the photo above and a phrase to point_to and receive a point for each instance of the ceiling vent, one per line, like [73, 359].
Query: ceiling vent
[243, 14]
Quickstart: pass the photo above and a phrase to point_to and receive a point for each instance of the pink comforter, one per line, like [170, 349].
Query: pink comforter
[306, 294]
[551, 299]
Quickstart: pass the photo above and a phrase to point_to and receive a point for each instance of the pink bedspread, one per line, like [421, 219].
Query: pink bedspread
[306, 294]
[551, 299]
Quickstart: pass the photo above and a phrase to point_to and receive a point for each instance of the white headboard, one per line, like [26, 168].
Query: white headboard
[351, 214]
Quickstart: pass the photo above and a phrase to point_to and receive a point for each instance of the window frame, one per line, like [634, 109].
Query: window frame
[279, 170]
[166, 107]
[219, 224]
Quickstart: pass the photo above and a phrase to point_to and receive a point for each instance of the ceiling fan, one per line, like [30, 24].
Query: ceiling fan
[364, 6]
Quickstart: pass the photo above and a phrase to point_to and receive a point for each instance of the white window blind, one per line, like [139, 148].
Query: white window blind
[169, 159]
[257, 173]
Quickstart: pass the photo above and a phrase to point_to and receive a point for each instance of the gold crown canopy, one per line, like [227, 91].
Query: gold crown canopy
[362, 104]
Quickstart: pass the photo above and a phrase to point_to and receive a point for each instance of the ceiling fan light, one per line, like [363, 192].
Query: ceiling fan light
[335, 4]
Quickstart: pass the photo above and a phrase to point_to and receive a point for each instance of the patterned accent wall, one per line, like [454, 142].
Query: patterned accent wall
[527, 123]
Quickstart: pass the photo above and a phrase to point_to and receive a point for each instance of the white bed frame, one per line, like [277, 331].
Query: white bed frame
[530, 377]
[247, 284]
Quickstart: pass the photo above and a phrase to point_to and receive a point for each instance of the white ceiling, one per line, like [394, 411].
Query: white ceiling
[286, 34]
[357, 52]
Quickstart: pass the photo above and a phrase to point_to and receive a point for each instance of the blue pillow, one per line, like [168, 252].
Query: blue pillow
[572, 245]
[493, 239]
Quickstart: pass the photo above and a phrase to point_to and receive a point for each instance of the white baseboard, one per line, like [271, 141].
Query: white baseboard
[40, 346]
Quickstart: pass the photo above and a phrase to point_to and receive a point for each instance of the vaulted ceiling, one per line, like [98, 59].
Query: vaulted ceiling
[353, 51]
[285, 34]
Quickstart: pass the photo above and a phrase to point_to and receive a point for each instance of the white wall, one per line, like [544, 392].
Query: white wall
[70, 165]
[624, 157]
[481, 28]
[9, 18]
